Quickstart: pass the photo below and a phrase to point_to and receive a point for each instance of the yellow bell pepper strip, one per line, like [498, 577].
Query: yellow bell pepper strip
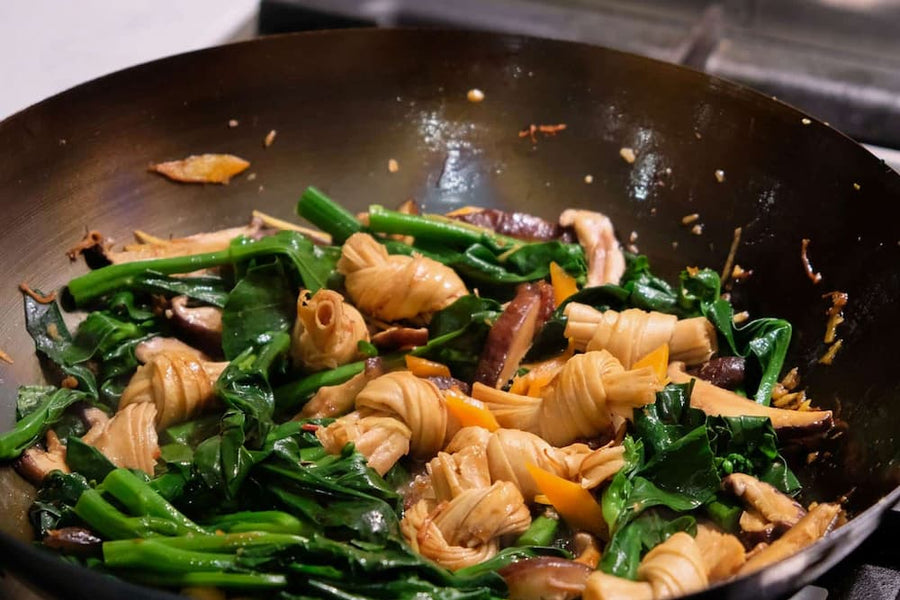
[574, 503]
[422, 367]
[658, 360]
[469, 411]
[564, 285]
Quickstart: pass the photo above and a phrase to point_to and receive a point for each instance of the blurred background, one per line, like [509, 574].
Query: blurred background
[836, 59]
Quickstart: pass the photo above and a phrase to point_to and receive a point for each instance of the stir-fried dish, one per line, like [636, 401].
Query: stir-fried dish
[474, 405]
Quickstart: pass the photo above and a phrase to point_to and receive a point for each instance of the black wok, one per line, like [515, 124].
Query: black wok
[344, 103]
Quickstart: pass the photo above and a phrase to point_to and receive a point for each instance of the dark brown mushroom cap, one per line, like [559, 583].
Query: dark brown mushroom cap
[545, 578]
[755, 529]
[518, 225]
[512, 333]
[725, 371]
[400, 338]
[201, 326]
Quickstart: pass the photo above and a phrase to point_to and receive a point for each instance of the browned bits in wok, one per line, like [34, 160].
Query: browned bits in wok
[835, 313]
[732, 251]
[40, 298]
[810, 272]
[202, 168]
[832, 351]
[532, 131]
[91, 240]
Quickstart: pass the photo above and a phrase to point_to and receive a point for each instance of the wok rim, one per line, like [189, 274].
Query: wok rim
[28, 557]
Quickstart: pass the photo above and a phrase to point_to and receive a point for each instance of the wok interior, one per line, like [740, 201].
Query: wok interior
[343, 105]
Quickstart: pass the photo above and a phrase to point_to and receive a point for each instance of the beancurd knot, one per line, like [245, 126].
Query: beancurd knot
[580, 402]
[179, 384]
[129, 438]
[632, 334]
[476, 460]
[465, 531]
[671, 569]
[404, 400]
[395, 287]
[327, 331]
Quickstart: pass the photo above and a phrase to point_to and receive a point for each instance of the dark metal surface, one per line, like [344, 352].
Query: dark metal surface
[344, 103]
[836, 59]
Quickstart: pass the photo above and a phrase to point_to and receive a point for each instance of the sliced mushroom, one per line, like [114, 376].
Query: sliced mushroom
[779, 509]
[154, 247]
[545, 578]
[606, 262]
[722, 552]
[817, 522]
[201, 325]
[74, 540]
[400, 338]
[718, 402]
[35, 464]
[755, 529]
[518, 225]
[725, 371]
[511, 335]
[587, 549]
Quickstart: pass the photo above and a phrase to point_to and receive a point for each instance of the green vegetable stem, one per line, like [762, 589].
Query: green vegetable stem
[298, 250]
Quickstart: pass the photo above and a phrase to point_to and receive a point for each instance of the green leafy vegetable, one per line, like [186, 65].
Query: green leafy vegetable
[35, 424]
[457, 333]
[677, 462]
[262, 302]
[87, 460]
[623, 553]
[51, 336]
[208, 289]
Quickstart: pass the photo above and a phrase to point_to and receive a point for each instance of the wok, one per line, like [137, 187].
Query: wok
[345, 102]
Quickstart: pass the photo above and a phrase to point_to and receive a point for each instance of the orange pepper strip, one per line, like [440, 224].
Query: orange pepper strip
[422, 367]
[574, 503]
[539, 374]
[658, 360]
[469, 411]
[537, 385]
[564, 285]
